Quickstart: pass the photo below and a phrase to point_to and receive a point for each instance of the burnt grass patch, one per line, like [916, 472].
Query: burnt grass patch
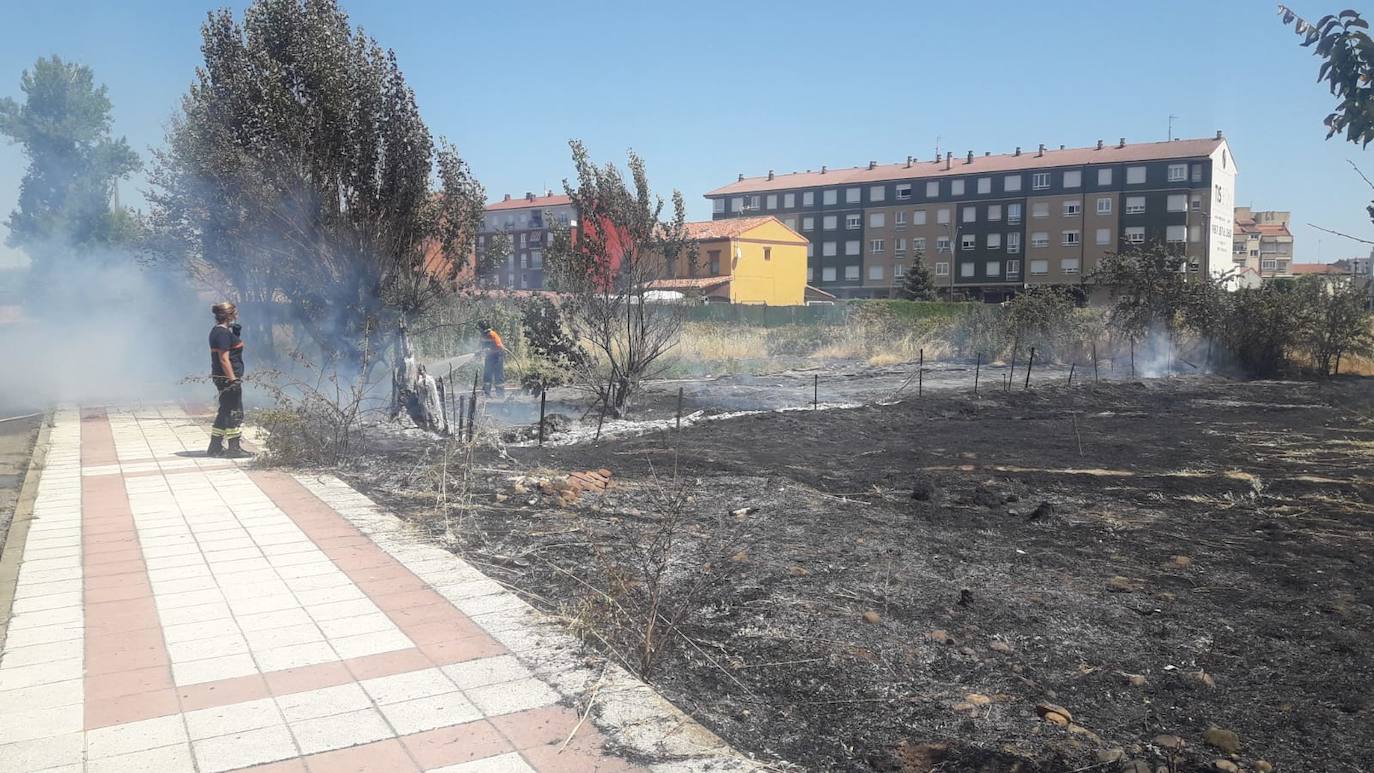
[1157, 559]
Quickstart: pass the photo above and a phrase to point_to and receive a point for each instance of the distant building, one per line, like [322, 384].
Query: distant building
[525, 222]
[988, 226]
[752, 260]
[1262, 242]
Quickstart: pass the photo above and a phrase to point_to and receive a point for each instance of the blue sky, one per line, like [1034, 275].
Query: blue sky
[709, 89]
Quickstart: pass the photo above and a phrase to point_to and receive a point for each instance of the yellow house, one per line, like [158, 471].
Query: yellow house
[754, 260]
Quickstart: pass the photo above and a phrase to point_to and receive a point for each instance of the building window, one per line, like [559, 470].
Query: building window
[1073, 179]
[1176, 233]
[1195, 203]
[810, 275]
[717, 205]
[941, 269]
[1135, 205]
[1040, 267]
[1269, 264]
[933, 189]
[1040, 239]
[828, 274]
[899, 218]
[994, 241]
[994, 212]
[810, 249]
[1178, 173]
[965, 269]
[852, 222]
[808, 224]
[1040, 209]
[942, 216]
[714, 256]
[830, 222]
[851, 272]
[852, 247]
[1135, 235]
[918, 217]
[1195, 233]
[772, 201]
[956, 187]
[523, 238]
[1011, 183]
[829, 197]
[1197, 173]
[536, 259]
[970, 214]
[1104, 236]
[1104, 177]
[993, 268]
[875, 273]
[899, 245]
[875, 246]
[752, 202]
[789, 200]
[877, 193]
[1040, 181]
[968, 241]
[904, 191]
[1069, 265]
[1013, 214]
[737, 204]
[942, 244]
[1177, 202]
[790, 222]
[918, 245]
[1073, 208]
[808, 198]
[1069, 238]
[898, 271]
[877, 219]
[1014, 241]
[1104, 205]
[852, 195]
[985, 185]
[1135, 175]
[828, 249]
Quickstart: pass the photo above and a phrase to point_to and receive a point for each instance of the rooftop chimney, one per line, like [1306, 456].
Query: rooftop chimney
[741, 176]
[872, 164]
[770, 174]
[1219, 134]
[987, 153]
[969, 159]
[1099, 144]
[529, 195]
[1122, 143]
[507, 198]
[548, 191]
[948, 157]
[1018, 150]
[1041, 152]
[1061, 147]
[908, 162]
[822, 168]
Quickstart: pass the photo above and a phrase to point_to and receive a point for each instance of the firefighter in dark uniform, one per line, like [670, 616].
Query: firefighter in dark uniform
[494, 361]
[226, 370]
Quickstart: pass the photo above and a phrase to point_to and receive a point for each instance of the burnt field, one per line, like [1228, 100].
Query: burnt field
[1116, 577]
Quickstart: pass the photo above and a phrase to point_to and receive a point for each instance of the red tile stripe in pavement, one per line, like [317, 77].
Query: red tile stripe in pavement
[128, 673]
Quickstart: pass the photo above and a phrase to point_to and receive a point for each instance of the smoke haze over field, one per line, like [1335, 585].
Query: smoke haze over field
[101, 329]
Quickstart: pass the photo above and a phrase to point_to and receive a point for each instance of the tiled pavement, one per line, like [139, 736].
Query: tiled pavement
[174, 612]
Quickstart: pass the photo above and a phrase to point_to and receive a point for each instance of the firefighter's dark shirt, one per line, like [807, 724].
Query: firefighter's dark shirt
[222, 339]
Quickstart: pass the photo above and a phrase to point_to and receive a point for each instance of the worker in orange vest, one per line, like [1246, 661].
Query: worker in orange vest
[494, 363]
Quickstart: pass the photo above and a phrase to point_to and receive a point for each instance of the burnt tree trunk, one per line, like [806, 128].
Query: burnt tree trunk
[414, 392]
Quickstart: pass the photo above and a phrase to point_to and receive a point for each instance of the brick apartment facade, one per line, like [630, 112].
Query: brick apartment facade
[525, 222]
[988, 226]
[1262, 242]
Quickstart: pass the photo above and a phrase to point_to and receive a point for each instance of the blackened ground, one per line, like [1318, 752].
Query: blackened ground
[16, 446]
[1166, 530]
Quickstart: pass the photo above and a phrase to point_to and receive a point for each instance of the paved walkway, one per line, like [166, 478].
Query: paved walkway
[174, 612]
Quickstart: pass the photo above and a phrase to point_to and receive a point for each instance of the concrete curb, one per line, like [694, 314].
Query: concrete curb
[18, 532]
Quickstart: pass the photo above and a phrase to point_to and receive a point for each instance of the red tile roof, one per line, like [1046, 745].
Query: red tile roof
[1006, 162]
[1316, 268]
[724, 229]
[556, 200]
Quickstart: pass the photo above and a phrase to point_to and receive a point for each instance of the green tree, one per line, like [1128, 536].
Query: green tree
[918, 284]
[1343, 41]
[298, 171]
[66, 196]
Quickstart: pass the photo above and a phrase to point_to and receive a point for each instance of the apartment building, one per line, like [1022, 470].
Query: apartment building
[1263, 243]
[525, 222]
[987, 226]
[750, 260]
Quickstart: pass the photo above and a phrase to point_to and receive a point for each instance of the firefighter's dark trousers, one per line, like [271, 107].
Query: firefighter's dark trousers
[494, 373]
[229, 420]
